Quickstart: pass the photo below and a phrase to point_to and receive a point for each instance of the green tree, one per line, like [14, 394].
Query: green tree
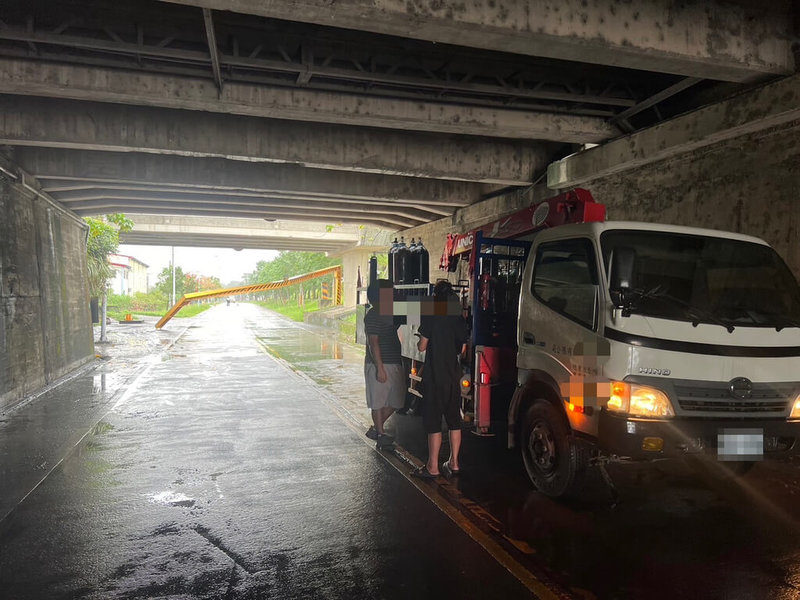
[200, 283]
[103, 240]
[290, 264]
[185, 283]
[164, 282]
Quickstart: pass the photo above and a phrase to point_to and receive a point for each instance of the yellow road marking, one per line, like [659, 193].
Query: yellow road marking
[451, 504]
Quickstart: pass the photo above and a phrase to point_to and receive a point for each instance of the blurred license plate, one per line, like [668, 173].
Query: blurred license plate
[740, 444]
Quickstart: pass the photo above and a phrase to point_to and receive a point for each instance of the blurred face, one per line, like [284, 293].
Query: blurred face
[385, 300]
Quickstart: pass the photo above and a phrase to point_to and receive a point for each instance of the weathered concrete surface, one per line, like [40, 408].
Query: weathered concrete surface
[45, 325]
[96, 126]
[710, 39]
[733, 166]
[748, 185]
[773, 105]
[58, 169]
[152, 89]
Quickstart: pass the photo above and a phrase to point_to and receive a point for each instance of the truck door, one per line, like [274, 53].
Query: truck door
[559, 324]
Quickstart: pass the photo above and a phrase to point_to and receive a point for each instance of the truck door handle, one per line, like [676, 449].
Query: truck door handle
[528, 338]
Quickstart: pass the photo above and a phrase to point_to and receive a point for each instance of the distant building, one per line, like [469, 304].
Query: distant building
[130, 275]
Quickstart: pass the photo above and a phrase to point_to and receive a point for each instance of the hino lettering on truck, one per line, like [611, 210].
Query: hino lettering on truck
[651, 371]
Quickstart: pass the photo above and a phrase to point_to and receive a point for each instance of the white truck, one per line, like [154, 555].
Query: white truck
[596, 340]
[647, 341]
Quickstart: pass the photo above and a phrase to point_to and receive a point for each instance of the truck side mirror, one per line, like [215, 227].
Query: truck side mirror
[620, 277]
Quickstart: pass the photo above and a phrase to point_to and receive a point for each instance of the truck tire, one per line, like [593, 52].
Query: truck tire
[554, 460]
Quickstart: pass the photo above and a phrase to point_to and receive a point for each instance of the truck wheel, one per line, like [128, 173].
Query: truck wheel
[555, 462]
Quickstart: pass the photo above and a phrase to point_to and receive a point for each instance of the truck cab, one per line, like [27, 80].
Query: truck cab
[643, 341]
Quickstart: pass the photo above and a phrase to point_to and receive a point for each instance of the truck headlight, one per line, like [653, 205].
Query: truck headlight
[639, 401]
[795, 409]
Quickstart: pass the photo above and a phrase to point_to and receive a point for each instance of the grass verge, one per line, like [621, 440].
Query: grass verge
[292, 311]
[186, 311]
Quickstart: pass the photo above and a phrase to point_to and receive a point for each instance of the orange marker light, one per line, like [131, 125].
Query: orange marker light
[620, 394]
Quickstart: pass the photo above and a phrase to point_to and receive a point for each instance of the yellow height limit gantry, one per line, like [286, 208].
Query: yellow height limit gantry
[259, 287]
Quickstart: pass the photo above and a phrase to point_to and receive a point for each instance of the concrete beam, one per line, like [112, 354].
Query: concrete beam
[313, 216]
[168, 91]
[248, 233]
[89, 126]
[80, 200]
[769, 106]
[68, 192]
[64, 170]
[175, 196]
[710, 39]
[196, 240]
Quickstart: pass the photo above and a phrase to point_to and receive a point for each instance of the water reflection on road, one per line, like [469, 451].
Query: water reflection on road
[331, 362]
[675, 534]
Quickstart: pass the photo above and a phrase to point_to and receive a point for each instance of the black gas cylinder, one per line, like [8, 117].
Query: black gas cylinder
[412, 268]
[373, 268]
[401, 260]
[392, 252]
[423, 263]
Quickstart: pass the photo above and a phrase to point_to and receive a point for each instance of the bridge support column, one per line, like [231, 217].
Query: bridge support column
[352, 260]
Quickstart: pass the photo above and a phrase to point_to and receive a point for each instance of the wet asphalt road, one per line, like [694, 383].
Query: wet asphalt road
[233, 465]
[220, 473]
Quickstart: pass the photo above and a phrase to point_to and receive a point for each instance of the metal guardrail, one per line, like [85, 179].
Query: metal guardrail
[258, 287]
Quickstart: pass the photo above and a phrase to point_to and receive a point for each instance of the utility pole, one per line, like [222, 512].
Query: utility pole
[103, 315]
[173, 277]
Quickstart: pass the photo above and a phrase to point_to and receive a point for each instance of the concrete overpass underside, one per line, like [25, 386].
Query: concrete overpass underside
[418, 118]
[387, 114]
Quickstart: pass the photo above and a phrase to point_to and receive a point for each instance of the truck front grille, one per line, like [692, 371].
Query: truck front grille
[769, 400]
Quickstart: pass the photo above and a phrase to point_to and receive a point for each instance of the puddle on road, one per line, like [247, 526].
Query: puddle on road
[105, 382]
[170, 498]
[323, 358]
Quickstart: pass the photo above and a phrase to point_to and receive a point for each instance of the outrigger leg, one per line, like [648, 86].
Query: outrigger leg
[615, 496]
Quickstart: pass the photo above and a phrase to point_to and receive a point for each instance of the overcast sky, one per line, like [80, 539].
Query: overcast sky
[226, 264]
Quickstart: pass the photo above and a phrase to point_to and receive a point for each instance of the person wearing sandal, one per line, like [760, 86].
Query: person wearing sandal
[383, 372]
[442, 336]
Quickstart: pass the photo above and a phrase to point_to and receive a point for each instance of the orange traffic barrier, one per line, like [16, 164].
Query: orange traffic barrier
[258, 287]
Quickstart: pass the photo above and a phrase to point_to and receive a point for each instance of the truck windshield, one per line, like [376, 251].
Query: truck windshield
[707, 279]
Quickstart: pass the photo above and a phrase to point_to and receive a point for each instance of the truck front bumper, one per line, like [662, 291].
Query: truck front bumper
[732, 440]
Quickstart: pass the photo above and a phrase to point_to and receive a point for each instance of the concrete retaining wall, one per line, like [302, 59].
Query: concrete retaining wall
[747, 185]
[45, 325]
